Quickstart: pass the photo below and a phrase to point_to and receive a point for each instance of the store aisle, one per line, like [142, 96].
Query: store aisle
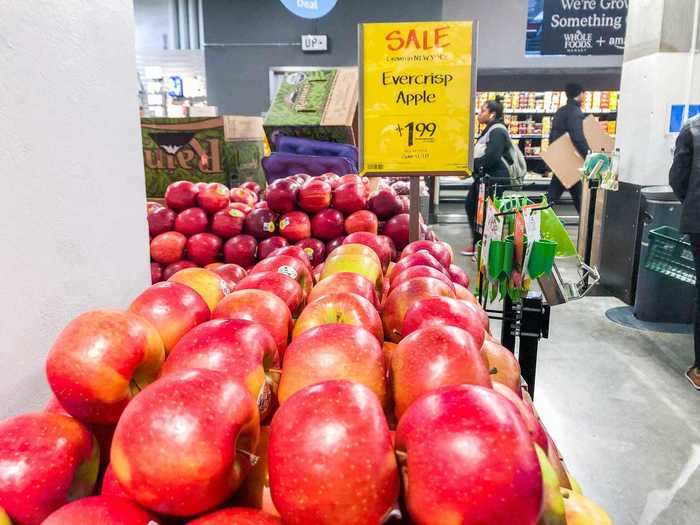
[617, 404]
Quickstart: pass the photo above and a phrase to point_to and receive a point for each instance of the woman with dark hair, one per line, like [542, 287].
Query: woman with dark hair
[493, 147]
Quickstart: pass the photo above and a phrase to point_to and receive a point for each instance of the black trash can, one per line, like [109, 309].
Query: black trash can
[661, 299]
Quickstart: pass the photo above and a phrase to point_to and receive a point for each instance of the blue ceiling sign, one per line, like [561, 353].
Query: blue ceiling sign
[309, 8]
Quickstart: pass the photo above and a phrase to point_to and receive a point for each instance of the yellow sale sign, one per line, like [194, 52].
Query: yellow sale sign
[417, 95]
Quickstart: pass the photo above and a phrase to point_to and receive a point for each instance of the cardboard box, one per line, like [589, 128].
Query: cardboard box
[221, 149]
[320, 104]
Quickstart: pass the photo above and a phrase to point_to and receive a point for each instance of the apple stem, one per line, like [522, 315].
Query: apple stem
[493, 371]
[396, 333]
[275, 371]
[401, 455]
[252, 458]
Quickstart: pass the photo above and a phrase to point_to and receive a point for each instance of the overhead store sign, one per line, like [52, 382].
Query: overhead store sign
[417, 96]
[584, 27]
[309, 8]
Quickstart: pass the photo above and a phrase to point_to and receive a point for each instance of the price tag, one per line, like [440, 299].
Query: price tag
[314, 43]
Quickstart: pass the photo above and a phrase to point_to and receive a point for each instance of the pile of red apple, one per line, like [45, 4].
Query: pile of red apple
[363, 393]
[203, 224]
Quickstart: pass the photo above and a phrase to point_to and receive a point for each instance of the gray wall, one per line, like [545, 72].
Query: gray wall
[237, 77]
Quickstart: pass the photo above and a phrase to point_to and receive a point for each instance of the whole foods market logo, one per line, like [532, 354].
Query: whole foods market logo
[578, 42]
[183, 150]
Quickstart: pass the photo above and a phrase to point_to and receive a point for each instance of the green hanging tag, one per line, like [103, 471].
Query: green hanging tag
[541, 258]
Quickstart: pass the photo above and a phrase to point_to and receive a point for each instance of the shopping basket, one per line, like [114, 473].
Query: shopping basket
[670, 254]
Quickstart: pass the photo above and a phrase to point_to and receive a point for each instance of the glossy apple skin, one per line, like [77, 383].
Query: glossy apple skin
[261, 223]
[293, 251]
[228, 223]
[46, 459]
[287, 265]
[385, 203]
[204, 248]
[349, 248]
[4, 518]
[241, 250]
[100, 509]
[342, 307]
[443, 311]
[262, 307]
[168, 247]
[242, 350]
[431, 358]
[266, 247]
[420, 271]
[160, 221]
[110, 484]
[210, 285]
[331, 457]
[175, 447]
[244, 195]
[361, 221]
[458, 275]
[364, 265]
[191, 221]
[528, 416]
[315, 196]
[213, 197]
[379, 245]
[397, 228]
[582, 511]
[100, 361]
[237, 516]
[349, 198]
[232, 273]
[345, 282]
[440, 251]
[181, 195]
[421, 258]
[403, 297]
[173, 309]
[482, 443]
[295, 226]
[156, 272]
[173, 268]
[281, 195]
[503, 365]
[252, 186]
[334, 351]
[244, 207]
[279, 284]
[255, 490]
[333, 244]
[327, 225]
[314, 248]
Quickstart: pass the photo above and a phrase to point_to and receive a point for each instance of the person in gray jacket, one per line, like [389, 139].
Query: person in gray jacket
[684, 178]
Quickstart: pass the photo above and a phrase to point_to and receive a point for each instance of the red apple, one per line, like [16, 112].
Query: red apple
[100, 509]
[464, 294]
[210, 285]
[334, 351]
[110, 484]
[252, 186]
[331, 178]
[534, 427]
[349, 198]
[458, 275]
[45, 461]
[483, 444]
[327, 225]
[242, 350]
[241, 250]
[379, 245]
[314, 249]
[184, 445]
[243, 195]
[421, 258]
[160, 221]
[351, 178]
[173, 309]
[443, 311]
[243, 207]
[331, 457]
[293, 251]
[100, 361]
[260, 223]
[266, 247]
[290, 266]
[260, 306]
[191, 221]
[361, 221]
[213, 197]
[283, 286]
[315, 196]
[397, 228]
[433, 357]
[232, 273]
[341, 307]
[201, 185]
[391, 245]
[156, 272]
[181, 195]
[228, 223]
[238, 516]
[503, 365]
[175, 267]
[295, 226]
[168, 247]
[345, 282]
[203, 248]
[440, 251]
[421, 271]
[151, 206]
[404, 296]
[282, 195]
[332, 245]
[384, 203]
[480, 312]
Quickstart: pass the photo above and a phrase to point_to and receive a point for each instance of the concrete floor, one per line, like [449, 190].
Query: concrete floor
[619, 408]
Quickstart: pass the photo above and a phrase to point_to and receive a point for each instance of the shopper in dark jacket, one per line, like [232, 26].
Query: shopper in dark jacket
[684, 178]
[492, 148]
[569, 119]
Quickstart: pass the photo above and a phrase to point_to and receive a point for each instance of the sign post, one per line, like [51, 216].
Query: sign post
[417, 92]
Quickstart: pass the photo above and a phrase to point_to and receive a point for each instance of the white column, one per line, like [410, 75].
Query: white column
[73, 234]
